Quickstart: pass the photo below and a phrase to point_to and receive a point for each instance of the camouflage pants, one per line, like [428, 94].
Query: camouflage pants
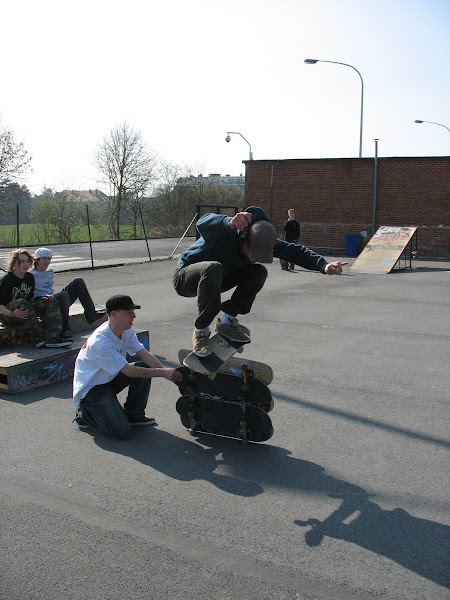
[44, 319]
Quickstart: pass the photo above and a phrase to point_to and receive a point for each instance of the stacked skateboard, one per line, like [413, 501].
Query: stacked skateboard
[222, 395]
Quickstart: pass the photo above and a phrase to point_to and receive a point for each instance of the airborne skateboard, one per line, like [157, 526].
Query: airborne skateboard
[221, 407]
[222, 348]
[234, 366]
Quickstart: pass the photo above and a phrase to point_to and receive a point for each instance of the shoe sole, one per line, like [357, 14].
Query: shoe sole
[234, 339]
[58, 345]
[148, 423]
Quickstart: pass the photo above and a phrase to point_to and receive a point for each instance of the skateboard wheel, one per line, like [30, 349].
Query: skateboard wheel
[241, 350]
[191, 431]
[212, 376]
[244, 442]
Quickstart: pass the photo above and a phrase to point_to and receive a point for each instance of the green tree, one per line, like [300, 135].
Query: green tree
[58, 213]
[12, 195]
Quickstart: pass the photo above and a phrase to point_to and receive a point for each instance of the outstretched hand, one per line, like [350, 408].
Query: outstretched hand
[241, 220]
[335, 268]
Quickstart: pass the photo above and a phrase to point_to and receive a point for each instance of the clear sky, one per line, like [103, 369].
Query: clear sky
[184, 72]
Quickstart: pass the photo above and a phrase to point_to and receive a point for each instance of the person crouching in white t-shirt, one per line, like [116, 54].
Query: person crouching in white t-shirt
[102, 371]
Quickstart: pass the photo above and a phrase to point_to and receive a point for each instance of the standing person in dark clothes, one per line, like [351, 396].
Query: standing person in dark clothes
[291, 230]
[226, 257]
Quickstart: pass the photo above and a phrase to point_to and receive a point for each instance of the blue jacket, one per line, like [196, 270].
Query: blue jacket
[220, 243]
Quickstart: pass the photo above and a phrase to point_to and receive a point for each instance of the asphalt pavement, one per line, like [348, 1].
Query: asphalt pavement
[348, 499]
[112, 253]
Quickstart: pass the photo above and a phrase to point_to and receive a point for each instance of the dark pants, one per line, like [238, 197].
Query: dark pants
[284, 263]
[75, 290]
[101, 409]
[206, 280]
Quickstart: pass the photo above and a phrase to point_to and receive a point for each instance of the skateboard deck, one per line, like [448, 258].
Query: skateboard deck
[221, 417]
[226, 387]
[222, 349]
[233, 366]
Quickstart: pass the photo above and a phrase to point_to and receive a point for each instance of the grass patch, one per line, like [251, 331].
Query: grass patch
[36, 235]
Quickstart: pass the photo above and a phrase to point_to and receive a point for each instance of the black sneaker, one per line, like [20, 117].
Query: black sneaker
[99, 314]
[40, 343]
[79, 421]
[66, 335]
[57, 342]
[143, 420]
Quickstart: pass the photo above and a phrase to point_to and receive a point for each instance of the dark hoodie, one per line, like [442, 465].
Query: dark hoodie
[220, 243]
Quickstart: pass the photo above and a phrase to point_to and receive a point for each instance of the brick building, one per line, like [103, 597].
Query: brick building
[335, 197]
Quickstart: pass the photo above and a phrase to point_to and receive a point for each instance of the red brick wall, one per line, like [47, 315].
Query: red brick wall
[334, 197]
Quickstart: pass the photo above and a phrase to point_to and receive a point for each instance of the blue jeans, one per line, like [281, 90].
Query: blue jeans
[101, 409]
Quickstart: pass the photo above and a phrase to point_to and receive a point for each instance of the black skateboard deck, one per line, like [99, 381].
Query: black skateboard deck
[234, 366]
[222, 348]
[221, 417]
[226, 387]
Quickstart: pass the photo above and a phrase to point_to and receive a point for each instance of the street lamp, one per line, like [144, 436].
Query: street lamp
[313, 61]
[433, 123]
[228, 139]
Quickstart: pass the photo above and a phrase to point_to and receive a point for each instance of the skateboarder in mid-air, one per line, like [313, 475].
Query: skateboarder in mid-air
[226, 257]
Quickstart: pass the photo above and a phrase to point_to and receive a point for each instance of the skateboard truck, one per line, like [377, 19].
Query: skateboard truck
[246, 373]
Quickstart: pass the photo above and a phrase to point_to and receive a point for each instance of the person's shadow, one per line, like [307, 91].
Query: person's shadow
[178, 458]
[417, 544]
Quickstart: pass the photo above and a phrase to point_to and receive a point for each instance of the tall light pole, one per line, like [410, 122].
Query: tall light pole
[313, 61]
[228, 139]
[433, 123]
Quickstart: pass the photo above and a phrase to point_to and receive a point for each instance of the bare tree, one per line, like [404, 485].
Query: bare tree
[14, 159]
[129, 166]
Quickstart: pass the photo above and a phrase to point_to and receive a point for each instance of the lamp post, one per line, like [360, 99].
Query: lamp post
[313, 61]
[228, 139]
[433, 123]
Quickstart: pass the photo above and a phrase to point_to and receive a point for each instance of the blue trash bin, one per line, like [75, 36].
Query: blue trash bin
[352, 245]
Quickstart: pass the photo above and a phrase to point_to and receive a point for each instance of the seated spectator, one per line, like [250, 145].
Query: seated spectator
[74, 290]
[41, 316]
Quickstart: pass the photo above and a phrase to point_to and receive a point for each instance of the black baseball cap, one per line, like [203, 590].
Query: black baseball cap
[120, 302]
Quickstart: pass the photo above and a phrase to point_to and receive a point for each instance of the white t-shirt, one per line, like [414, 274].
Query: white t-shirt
[101, 358]
[43, 282]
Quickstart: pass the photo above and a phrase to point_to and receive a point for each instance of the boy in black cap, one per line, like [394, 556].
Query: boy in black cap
[225, 257]
[102, 371]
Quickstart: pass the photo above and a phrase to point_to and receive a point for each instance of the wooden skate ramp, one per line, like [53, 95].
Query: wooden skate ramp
[384, 250]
